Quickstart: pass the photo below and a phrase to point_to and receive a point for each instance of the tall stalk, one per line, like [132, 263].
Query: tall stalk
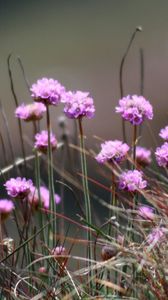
[16, 104]
[137, 29]
[86, 194]
[52, 206]
[37, 180]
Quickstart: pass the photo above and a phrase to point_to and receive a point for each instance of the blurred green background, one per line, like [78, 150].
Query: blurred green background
[80, 43]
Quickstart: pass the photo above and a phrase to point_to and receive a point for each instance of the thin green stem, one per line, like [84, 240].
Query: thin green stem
[16, 104]
[134, 145]
[52, 205]
[86, 195]
[113, 199]
[37, 180]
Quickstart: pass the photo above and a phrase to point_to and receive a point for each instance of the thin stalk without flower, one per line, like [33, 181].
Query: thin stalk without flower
[137, 29]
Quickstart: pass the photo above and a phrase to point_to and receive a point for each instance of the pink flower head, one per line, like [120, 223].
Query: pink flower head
[59, 250]
[164, 133]
[112, 151]
[42, 270]
[18, 187]
[30, 112]
[156, 236]
[34, 200]
[78, 104]
[146, 212]
[143, 156]
[41, 141]
[48, 91]
[135, 109]
[6, 207]
[161, 154]
[132, 181]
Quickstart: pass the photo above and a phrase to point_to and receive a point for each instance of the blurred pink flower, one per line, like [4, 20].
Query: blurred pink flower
[132, 181]
[30, 112]
[18, 187]
[146, 212]
[156, 236]
[41, 141]
[143, 156]
[6, 207]
[112, 151]
[161, 154]
[164, 133]
[34, 200]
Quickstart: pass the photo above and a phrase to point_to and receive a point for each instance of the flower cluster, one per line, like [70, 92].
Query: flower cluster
[164, 133]
[161, 154]
[135, 109]
[48, 91]
[34, 200]
[18, 187]
[6, 207]
[143, 156]
[132, 181]
[78, 104]
[112, 151]
[30, 112]
[41, 141]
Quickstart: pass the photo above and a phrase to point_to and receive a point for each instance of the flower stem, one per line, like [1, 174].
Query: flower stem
[86, 194]
[113, 199]
[134, 145]
[52, 205]
[37, 180]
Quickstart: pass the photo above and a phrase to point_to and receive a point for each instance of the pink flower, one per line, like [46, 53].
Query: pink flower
[112, 151]
[59, 250]
[161, 154]
[164, 133]
[6, 207]
[30, 112]
[48, 91]
[135, 109]
[156, 236]
[18, 187]
[41, 141]
[34, 200]
[132, 181]
[143, 156]
[146, 212]
[42, 270]
[78, 104]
